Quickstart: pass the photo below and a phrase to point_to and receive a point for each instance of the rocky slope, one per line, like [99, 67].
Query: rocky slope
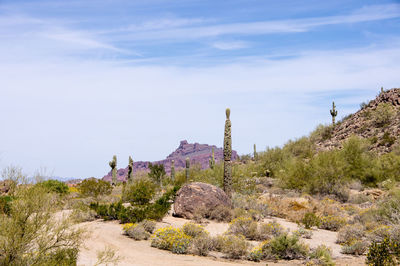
[378, 122]
[198, 154]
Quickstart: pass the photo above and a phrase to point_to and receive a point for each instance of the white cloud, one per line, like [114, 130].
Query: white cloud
[230, 45]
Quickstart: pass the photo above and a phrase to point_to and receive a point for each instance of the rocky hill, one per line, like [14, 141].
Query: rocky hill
[378, 122]
[198, 154]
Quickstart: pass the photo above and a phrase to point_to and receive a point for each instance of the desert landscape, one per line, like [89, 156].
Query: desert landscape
[191, 133]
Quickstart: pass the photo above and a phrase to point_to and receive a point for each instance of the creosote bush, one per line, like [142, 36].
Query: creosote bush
[286, 247]
[54, 186]
[310, 220]
[95, 188]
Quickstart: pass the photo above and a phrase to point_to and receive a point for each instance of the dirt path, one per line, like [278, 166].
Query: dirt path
[105, 234]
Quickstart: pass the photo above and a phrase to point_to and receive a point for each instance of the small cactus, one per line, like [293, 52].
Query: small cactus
[382, 90]
[130, 170]
[187, 168]
[228, 155]
[173, 170]
[212, 160]
[113, 165]
[333, 113]
[255, 155]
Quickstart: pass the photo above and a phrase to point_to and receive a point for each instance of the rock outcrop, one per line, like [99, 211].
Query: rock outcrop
[5, 186]
[364, 124]
[196, 196]
[198, 154]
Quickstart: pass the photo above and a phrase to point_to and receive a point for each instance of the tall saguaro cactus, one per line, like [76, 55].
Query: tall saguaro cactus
[228, 155]
[173, 170]
[333, 113]
[255, 155]
[212, 159]
[130, 170]
[113, 165]
[187, 168]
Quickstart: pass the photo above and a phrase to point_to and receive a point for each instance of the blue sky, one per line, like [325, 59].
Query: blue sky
[83, 80]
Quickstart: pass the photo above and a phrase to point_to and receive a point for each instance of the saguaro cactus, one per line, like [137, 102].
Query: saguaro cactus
[113, 165]
[255, 155]
[228, 155]
[212, 160]
[173, 170]
[333, 113]
[130, 170]
[187, 168]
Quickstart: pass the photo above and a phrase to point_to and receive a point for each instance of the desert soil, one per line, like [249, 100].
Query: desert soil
[109, 234]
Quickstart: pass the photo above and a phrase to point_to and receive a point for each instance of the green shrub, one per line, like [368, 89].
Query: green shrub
[54, 186]
[5, 204]
[140, 192]
[322, 255]
[310, 220]
[380, 254]
[383, 114]
[93, 187]
[285, 247]
[245, 227]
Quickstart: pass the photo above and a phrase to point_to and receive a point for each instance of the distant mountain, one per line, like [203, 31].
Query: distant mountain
[198, 154]
[378, 122]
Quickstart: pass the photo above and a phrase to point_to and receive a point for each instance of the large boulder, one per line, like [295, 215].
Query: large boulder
[196, 196]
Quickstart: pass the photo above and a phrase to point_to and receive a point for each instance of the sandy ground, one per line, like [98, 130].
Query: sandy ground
[103, 234]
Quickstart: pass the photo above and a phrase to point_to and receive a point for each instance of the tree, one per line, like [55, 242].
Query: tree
[157, 172]
[93, 187]
[31, 233]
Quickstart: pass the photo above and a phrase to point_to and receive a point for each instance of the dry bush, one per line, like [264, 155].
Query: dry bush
[148, 225]
[269, 230]
[245, 227]
[332, 223]
[358, 247]
[201, 245]
[235, 247]
[137, 232]
[350, 233]
[221, 214]
[304, 233]
[193, 230]
[322, 255]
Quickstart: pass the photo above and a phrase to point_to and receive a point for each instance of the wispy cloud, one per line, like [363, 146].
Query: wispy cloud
[368, 13]
[230, 45]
